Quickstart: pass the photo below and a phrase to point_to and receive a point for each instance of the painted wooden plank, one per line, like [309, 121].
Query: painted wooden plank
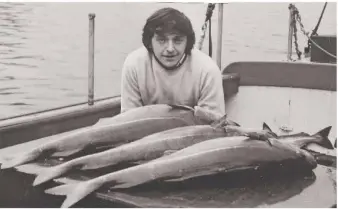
[286, 74]
[33, 126]
[305, 110]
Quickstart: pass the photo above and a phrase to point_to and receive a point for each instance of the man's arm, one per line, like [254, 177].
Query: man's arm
[212, 95]
[130, 94]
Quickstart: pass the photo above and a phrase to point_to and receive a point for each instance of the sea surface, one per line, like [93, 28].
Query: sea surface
[44, 46]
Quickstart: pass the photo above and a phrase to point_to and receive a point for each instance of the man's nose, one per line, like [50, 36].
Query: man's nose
[170, 47]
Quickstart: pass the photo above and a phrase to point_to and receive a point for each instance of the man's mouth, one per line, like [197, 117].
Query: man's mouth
[169, 56]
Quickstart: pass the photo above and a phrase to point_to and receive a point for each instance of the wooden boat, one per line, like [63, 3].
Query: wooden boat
[290, 97]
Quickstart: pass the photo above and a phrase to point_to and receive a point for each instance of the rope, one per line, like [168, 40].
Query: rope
[208, 15]
[210, 40]
[295, 15]
[314, 32]
[326, 52]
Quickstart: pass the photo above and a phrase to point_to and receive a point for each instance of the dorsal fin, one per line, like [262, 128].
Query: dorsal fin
[266, 127]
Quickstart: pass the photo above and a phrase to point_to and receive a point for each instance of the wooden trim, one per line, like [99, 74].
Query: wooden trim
[34, 126]
[285, 74]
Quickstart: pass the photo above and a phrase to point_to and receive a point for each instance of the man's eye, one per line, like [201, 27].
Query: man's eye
[161, 40]
[178, 40]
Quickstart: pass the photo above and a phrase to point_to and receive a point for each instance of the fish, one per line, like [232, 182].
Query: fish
[220, 155]
[145, 149]
[162, 117]
[162, 110]
[302, 139]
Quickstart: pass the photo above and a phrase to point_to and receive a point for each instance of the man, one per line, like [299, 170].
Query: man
[167, 70]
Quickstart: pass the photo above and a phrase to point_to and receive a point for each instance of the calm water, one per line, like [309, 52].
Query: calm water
[44, 46]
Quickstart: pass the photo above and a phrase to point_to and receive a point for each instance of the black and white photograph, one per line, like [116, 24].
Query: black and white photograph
[168, 104]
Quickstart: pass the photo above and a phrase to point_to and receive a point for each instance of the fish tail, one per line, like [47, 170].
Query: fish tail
[323, 136]
[74, 192]
[21, 159]
[335, 143]
[50, 173]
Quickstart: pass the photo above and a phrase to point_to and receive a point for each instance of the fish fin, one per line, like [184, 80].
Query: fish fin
[169, 152]
[183, 107]
[196, 174]
[74, 192]
[139, 162]
[222, 122]
[335, 143]
[258, 136]
[21, 159]
[233, 123]
[31, 168]
[66, 180]
[66, 152]
[50, 173]
[219, 122]
[267, 128]
[323, 134]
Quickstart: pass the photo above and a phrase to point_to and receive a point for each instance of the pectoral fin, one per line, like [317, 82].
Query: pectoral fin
[205, 172]
[169, 152]
[66, 152]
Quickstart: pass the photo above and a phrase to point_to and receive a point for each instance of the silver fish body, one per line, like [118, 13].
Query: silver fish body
[218, 155]
[112, 134]
[147, 148]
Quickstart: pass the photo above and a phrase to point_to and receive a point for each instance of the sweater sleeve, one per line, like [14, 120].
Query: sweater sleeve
[130, 93]
[212, 95]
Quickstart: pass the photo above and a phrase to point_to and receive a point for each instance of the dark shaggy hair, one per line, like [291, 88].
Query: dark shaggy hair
[168, 19]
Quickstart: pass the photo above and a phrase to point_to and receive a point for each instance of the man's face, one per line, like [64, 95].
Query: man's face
[169, 47]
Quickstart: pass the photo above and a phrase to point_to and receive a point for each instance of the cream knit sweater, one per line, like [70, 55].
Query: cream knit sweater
[198, 82]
